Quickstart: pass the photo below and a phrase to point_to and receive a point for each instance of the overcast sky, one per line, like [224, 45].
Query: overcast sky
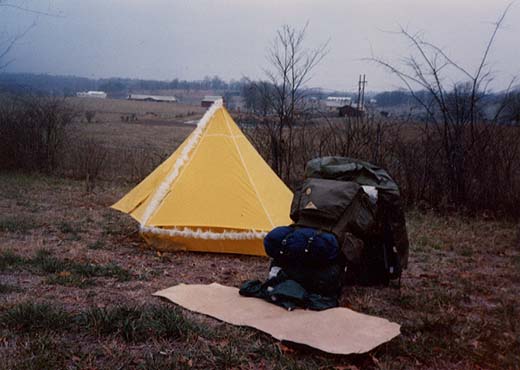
[190, 39]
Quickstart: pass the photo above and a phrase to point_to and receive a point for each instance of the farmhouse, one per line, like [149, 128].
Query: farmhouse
[208, 100]
[156, 98]
[92, 94]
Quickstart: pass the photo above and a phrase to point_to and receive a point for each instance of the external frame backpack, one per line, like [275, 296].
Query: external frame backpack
[359, 203]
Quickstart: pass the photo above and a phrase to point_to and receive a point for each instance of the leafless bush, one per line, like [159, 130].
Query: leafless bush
[511, 113]
[414, 154]
[33, 132]
[91, 160]
[321, 136]
[140, 161]
[87, 159]
[89, 115]
[454, 113]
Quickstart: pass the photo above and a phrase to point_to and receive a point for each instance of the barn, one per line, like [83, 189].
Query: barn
[208, 100]
[155, 98]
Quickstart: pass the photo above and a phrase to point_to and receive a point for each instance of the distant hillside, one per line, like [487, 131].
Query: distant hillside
[115, 87]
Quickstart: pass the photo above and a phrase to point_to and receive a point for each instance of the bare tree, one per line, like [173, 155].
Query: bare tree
[34, 132]
[291, 65]
[8, 41]
[454, 111]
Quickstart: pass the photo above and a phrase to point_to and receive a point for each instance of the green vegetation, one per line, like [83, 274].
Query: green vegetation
[10, 260]
[137, 324]
[39, 351]
[72, 231]
[98, 244]
[64, 272]
[7, 288]
[130, 323]
[30, 317]
[17, 224]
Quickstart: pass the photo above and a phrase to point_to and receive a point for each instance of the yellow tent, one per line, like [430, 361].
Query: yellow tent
[215, 193]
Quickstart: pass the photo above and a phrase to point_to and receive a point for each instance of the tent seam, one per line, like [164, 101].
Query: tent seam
[248, 174]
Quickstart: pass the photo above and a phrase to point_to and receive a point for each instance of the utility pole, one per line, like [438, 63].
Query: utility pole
[361, 92]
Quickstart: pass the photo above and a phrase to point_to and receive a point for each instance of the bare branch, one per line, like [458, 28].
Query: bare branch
[491, 41]
[29, 10]
[10, 44]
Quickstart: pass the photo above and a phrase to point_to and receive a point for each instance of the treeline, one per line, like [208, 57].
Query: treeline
[44, 84]
[252, 91]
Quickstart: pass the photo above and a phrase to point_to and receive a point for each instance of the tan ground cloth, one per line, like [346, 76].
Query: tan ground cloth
[336, 330]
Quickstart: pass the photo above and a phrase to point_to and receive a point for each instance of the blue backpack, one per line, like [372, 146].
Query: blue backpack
[294, 244]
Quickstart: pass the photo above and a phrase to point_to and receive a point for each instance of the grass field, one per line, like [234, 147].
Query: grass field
[76, 283]
[111, 110]
[131, 149]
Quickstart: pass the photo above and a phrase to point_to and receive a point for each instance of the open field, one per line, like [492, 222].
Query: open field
[76, 280]
[133, 148]
[111, 110]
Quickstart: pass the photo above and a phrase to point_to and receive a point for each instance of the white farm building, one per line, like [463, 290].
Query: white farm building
[337, 101]
[92, 94]
[156, 98]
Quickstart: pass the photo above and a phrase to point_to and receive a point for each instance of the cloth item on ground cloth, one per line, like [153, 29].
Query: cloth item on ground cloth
[289, 243]
[316, 288]
[326, 280]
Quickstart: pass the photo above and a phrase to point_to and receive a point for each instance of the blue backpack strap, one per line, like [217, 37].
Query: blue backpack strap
[309, 244]
[284, 240]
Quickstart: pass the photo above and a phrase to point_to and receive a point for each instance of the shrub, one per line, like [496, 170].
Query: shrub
[414, 154]
[33, 132]
[89, 115]
[86, 159]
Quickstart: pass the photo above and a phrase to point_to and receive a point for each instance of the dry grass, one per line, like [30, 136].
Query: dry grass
[458, 305]
[66, 258]
[132, 149]
[158, 126]
[111, 110]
